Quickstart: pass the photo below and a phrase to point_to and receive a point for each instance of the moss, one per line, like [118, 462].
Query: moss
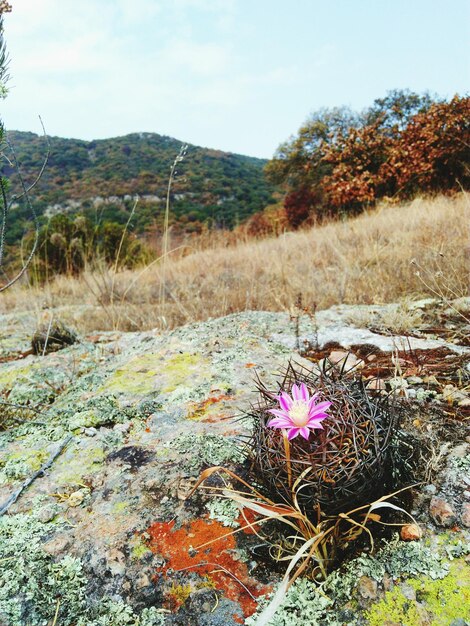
[440, 602]
[178, 594]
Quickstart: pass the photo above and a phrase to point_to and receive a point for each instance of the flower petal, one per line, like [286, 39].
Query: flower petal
[285, 401]
[296, 394]
[315, 423]
[312, 400]
[293, 432]
[305, 432]
[318, 408]
[279, 422]
[279, 413]
[304, 392]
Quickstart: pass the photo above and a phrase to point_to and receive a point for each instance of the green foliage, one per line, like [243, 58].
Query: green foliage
[68, 244]
[99, 179]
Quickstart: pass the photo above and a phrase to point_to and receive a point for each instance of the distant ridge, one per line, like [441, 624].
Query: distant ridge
[212, 186]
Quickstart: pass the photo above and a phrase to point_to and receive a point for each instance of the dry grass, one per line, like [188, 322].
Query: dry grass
[368, 259]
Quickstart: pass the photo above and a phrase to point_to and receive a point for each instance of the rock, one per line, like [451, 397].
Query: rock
[345, 361]
[460, 451]
[465, 515]
[453, 395]
[57, 545]
[76, 498]
[408, 592]
[133, 535]
[441, 512]
[410, 532]
[376, 384]
[123, 428]
[367, 588]
[46, 514]
[415, 380]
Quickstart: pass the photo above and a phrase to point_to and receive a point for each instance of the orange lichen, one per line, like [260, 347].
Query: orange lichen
[201, 410]
[192, 548]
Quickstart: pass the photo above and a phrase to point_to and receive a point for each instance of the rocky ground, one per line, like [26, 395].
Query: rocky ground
[122, 424]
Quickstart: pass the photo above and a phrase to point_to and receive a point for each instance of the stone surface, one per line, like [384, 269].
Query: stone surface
[465, 515]
[111, 520]
[367, 587]
[441, 512]
[410, 532]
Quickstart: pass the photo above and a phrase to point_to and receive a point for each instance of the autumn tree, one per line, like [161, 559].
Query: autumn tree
[432, 153]
[299, 166]
[341, 162]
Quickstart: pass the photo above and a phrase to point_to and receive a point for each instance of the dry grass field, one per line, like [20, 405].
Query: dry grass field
[393, 252]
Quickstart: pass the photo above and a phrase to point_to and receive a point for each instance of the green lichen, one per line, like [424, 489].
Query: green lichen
[101, 410]
[86, 461]
[331, 604]
[303, 604]
[207, 450]
[31, 582]
[112, 613]
[224, 511]
[18, 465]
[180, 369]
[461, 463]
[395, 608]
[136, 377]
[120, 507]
[438, 602]
[138, 548]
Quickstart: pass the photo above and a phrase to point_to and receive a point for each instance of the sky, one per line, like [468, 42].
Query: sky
[235, 75]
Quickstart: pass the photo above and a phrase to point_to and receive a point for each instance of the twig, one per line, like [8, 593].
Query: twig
[14, 497]
[47, 336]
[180, 156]
[56, 613]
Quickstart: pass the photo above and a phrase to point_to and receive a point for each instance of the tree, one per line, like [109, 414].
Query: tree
[432, 154]
[299, 161]
[403, 144]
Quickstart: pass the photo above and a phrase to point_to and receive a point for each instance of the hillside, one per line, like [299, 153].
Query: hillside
[104, 175]
[398, 252]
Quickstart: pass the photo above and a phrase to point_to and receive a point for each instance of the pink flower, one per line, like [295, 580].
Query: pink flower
[299, 414]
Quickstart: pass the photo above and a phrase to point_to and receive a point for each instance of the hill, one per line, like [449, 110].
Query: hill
[103, 176]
